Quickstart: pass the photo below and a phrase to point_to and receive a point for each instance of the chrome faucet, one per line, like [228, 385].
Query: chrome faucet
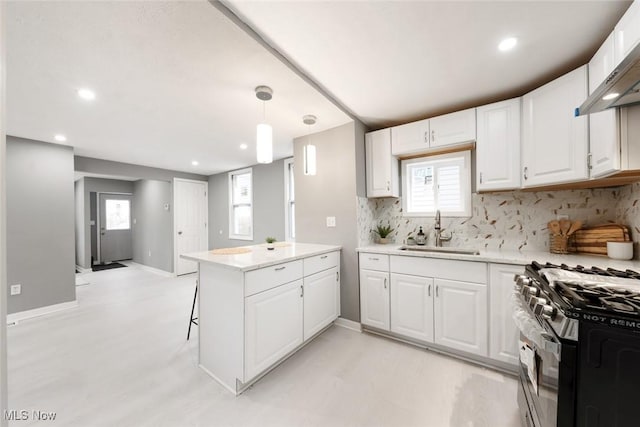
[438, 229]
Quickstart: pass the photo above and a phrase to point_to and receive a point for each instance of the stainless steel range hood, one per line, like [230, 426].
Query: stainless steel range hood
[624, 81]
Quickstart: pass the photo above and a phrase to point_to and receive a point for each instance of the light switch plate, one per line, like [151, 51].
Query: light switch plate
[331, 221]
[16, 289]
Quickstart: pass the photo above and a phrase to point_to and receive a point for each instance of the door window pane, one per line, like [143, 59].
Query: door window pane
[117, 214]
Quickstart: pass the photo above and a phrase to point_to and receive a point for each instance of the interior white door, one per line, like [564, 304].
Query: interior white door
[115, 227]
[190, 222]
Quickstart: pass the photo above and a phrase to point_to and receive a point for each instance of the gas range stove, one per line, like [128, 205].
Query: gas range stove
[558, 293]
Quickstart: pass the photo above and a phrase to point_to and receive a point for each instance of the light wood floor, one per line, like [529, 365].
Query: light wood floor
[121, 359]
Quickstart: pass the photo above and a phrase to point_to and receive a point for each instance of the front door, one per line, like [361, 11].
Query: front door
[190, 222]
[115, 227]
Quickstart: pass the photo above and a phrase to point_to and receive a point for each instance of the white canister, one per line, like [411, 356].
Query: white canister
[620, 250]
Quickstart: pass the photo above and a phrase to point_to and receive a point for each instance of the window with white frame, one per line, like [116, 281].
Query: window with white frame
[289, 201]
[434, 183]
[241, 204]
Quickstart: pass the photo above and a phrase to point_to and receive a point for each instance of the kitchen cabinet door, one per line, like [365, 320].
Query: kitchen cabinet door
[382, 168]
[410, 138]
[602, 63]
[273, 326]
[321, 300]
[453, 128]
[461, 316]
[503, 335]
[412, 306]
[498, 146]
[555, 142]
[374, 299]
[627, 32]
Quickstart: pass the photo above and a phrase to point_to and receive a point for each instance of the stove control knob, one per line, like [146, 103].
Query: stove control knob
[548, 312]
[521, 281]
[532, 290]
[538, 305]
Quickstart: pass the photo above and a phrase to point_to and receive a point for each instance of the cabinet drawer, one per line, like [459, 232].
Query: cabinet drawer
[374, 262]
[318, 263]
[269, 277]
[466, 271]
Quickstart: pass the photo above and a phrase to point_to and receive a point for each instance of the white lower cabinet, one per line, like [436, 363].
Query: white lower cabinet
[504, 335]
[412, 306]
[273, 326]
[374, 299]
[321, 300]
[461, 316]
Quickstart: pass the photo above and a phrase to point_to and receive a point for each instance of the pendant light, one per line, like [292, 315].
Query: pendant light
[309, 149]
[264, 133]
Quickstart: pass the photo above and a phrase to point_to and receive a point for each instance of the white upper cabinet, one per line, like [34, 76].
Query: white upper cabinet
[453, 128]
[554, 141]
[604, 137]
[498, 146]
[410, 138]
[627, 32]
[437, 132]
[382, 168]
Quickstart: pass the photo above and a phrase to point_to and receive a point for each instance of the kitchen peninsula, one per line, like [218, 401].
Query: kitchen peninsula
[257, 306]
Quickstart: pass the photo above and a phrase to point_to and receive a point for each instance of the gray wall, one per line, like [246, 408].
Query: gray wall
[3, 228]
[107, 167]
[333, 192]
[40, 223]
[268, 206]
[83, 212]
[153, 225]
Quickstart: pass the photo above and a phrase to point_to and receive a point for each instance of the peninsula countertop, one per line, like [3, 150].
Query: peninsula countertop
[510, 257]
[259, 256]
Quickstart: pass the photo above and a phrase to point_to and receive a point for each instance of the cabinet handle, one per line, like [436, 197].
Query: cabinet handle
[323, 257]
[526, 173]
[337, 276]
[437, 290]
[589, 165]
[374, 259]
[388, 185]
[480, 177]
[279, 268]
[433, 136]
[426, 136]
[429, 290]
[301, 291]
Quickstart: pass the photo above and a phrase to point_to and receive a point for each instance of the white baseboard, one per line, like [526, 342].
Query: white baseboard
[151, 269]
[83, 270]
[348, 324]
[14, 318]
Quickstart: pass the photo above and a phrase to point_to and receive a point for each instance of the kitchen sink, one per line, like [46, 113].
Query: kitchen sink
[440, 250]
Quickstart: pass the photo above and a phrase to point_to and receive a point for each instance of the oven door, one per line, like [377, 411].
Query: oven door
[539, 369]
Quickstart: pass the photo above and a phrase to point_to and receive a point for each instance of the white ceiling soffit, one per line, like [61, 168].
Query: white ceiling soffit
[79, 175]
[395, 61]
[174, 83]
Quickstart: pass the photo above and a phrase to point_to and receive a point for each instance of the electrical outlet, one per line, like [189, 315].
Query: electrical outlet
[331, 221]
[559, 217]
[16, 289]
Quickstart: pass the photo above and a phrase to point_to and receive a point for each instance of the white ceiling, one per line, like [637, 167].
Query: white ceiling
[175, 80]
[393, 61]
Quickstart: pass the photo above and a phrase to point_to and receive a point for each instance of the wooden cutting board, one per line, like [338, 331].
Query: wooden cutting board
[594, 240]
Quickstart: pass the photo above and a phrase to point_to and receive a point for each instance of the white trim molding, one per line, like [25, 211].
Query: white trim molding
[150, 269]
[14, 318]
[348, 324]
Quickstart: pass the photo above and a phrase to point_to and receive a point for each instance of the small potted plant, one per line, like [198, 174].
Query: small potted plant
[383, 232]
[270, 243]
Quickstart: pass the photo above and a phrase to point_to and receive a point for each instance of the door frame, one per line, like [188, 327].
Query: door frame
[98, 193]
[175, 228]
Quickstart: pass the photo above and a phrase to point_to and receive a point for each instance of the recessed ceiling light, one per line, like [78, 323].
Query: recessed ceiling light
[87, 94]
[508, 44]
[610, 96]
[60, 138]
[243, 146]
[195, 163]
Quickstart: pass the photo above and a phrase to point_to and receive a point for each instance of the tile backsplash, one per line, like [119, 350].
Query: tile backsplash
[515, 220]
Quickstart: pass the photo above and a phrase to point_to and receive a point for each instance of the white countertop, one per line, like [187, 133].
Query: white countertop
[260, 256]
[511, 257]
